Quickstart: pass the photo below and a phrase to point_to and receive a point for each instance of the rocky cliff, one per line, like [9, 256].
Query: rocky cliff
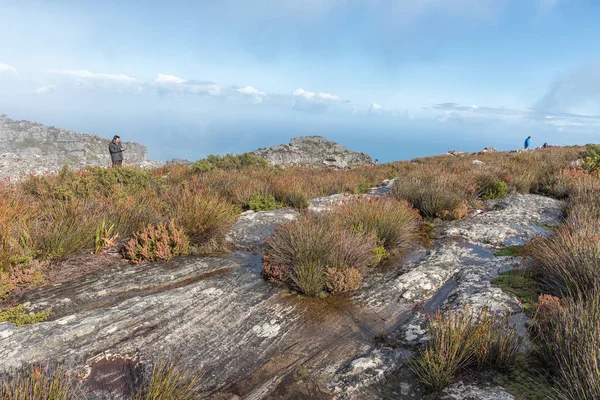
[313, 151]
[30, 147]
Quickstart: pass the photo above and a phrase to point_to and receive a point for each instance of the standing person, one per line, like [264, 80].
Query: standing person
[527, 142]
[116, 151]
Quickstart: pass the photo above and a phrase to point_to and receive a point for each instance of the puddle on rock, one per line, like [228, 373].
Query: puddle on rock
[540, 229]
[477, 250]
[513, 241]
[440, 297]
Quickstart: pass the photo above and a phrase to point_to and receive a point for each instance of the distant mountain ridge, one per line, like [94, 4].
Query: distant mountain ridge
[34, 148]
[313, 151]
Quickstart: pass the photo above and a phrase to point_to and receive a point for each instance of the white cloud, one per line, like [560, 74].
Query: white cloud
[251, 91]
[257, 95]
[44, 89]
[174, 85]
[166, 78]
[314, 102]
[375, 107]
[85, 74]
[312, 96]
[454, 112]
[8, 69]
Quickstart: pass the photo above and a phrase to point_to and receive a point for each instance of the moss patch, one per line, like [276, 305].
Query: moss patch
[18, 316]
[521, 383]
[509, 251]
[522, 284]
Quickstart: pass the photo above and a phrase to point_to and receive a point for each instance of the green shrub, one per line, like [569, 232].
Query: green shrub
[18, 316]
[39, 383]
[591, 161]
[157, 242]
[495, 190]
[229, 162]
[310, 245]
[380, 253]
[259, 202]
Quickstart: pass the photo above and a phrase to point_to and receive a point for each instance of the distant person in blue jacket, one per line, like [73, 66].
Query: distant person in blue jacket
[527, 142]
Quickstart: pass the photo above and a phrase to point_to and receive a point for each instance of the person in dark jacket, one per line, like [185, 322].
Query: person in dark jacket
[116, 151]
[527, 142]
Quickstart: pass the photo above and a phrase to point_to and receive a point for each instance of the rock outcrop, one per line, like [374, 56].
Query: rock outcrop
[255, 340]
[33, 148]
[312, 151]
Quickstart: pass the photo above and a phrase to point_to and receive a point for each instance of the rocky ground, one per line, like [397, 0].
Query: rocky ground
[313, 151]
[33, 148]
[256, 340]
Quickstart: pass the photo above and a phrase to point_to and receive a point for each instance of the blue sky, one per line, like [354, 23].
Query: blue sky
[396, 78]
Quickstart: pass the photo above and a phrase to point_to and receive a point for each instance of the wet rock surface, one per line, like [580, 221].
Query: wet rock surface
[257, 340]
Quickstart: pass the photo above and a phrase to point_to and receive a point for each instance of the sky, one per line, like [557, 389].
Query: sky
[395, 78]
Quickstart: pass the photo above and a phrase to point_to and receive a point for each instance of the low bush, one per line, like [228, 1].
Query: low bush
[343, 280]
[259, 202]
[435, 194]
[170, 380]
[568, 260]
[591, 160]
[67, 227]
[394, 223]
[462, 339]
[567, 337]
[495, 190]
[39, 383]
[498, 343]
[310, 245]
[450, 349]
[229, 162]
[19, 277]
[157, 242]
[205, 218]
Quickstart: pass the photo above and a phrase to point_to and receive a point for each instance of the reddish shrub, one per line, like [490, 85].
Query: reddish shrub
[157, 242]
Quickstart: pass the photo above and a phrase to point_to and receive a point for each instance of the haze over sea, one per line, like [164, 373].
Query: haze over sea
[396, 79]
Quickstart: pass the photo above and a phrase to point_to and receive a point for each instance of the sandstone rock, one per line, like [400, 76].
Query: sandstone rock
[457, 153]
[460, 391]
[33, 148]
[312, 151]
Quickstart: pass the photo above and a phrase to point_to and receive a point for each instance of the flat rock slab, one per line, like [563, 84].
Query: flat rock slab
[252, 228]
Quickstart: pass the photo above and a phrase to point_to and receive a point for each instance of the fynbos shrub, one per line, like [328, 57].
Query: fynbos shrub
[307, 247]
[394, 223]
[157, 242]
[495, 190]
